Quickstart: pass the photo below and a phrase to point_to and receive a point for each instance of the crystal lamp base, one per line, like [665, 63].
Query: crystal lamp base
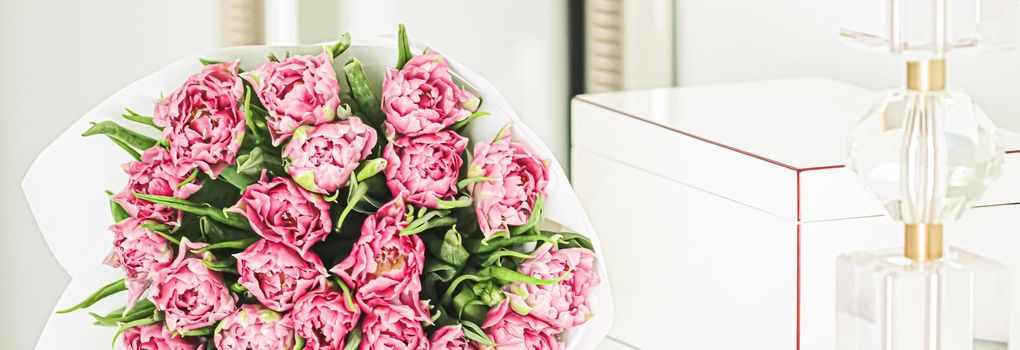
[888, 302]
[927, 156]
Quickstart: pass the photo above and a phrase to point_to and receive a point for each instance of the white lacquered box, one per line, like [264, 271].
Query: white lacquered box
[723, 208]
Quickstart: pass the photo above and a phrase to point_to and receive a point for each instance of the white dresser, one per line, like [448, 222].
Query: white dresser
[722, 209]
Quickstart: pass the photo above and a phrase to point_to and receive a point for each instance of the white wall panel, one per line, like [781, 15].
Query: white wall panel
[520, 46]
[57, 60]
[734, 40]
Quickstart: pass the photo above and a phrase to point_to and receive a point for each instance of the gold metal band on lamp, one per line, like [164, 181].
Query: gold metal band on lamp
[926, 75]
[923, 242]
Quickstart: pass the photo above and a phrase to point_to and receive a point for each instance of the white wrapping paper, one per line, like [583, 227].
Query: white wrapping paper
[65, 185]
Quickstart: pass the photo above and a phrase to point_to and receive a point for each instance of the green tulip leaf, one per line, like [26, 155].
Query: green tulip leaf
[370, 168]
[571, 240]
[364, 98]
[356, 193]
[238, 288]
[140, 119]
[353, 339]
[451, 249]
[480, 246]
[135, 323]
[506, 275]
[341, 45]
[498, 255]
[403, 47]
[348, 295]
[126, 147]
[462, 202]
[225, 265]
[116, 210]
[198, 332]
[428, 220]
[456, 282]
[533, 220]
[473, 332]
[230, 175]
[459, 126]
[114, 319]
[229, 218]
[237, 244]
[103, 292]
[127, 136]
[472, 180]
[208, 62]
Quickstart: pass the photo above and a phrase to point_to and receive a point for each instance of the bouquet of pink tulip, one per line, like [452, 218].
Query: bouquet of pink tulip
[281, 211]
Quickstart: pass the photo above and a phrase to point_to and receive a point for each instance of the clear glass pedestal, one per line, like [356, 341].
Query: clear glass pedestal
[888, 302]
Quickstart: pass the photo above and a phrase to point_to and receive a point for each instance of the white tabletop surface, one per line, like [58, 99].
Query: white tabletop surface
[828, 108]
[612, 344]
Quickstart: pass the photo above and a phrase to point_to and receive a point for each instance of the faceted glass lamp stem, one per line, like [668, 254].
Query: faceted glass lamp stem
[927, 153]
[923, 242]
